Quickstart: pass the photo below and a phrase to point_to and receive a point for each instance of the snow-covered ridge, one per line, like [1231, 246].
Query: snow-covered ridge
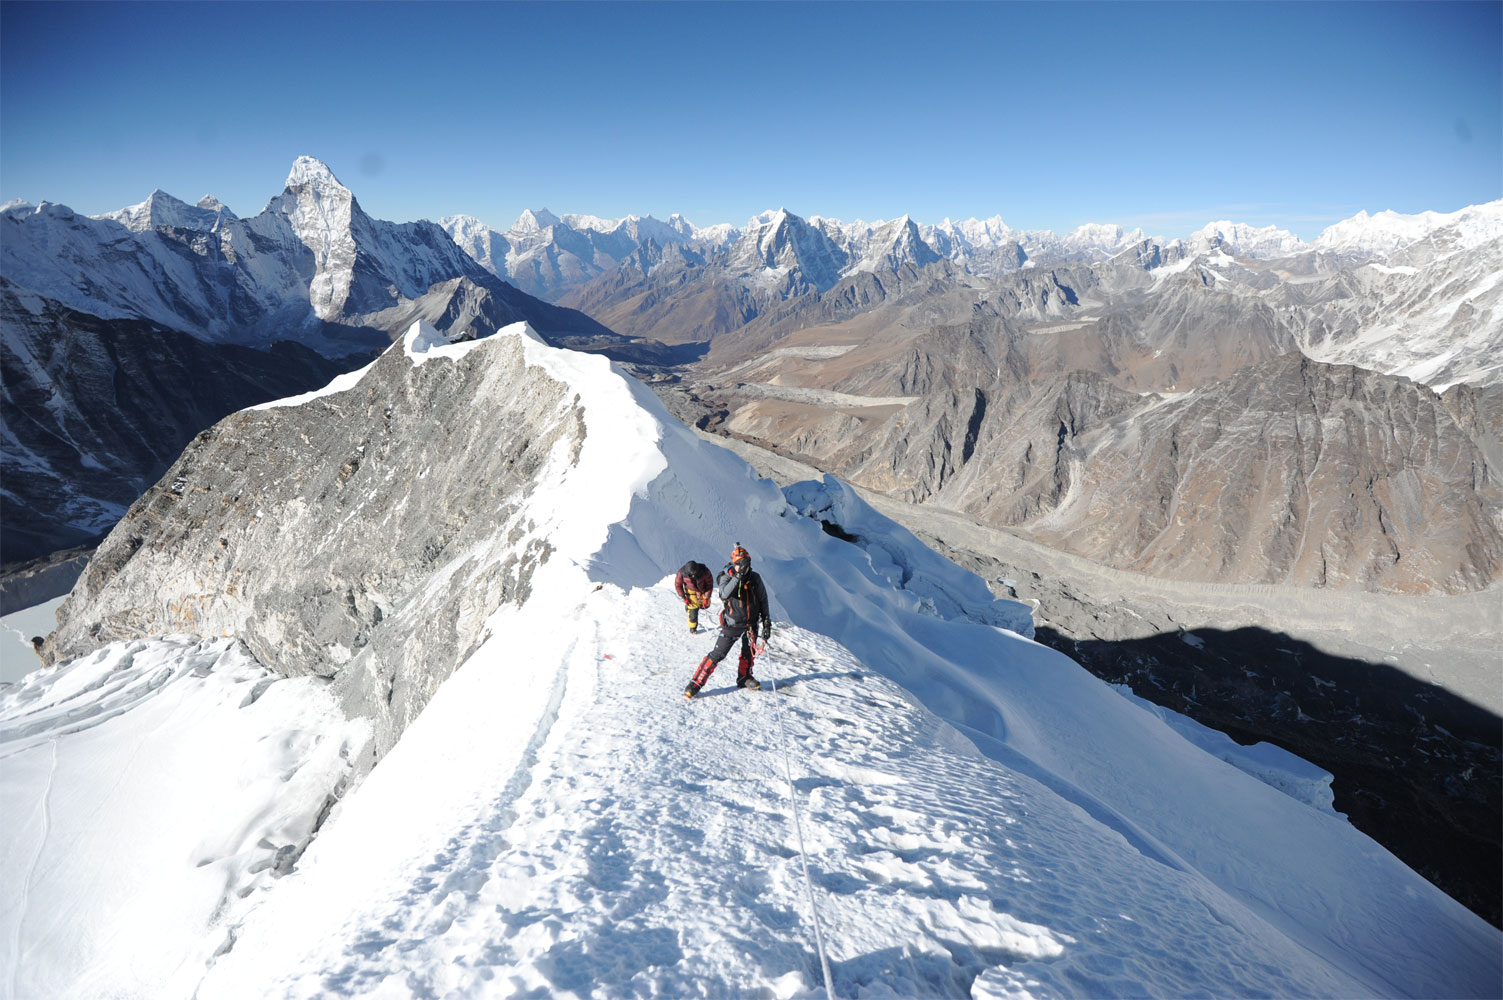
[1389, 231]
[162, 209]
[1243, 240]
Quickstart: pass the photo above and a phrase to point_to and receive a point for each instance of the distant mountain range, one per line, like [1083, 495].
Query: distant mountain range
[1035, 381]
[1023, 377]
[1413, 295]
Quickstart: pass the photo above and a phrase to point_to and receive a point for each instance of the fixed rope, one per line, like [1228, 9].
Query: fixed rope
[798, 825]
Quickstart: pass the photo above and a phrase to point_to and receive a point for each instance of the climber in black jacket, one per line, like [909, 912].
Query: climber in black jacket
[744, 601]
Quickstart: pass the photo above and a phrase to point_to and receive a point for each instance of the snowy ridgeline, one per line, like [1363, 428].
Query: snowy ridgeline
[978, 815]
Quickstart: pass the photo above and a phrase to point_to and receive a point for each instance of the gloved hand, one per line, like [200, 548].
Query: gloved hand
[766, 631]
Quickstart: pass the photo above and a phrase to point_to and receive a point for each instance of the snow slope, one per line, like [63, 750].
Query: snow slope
[147, 790]
[638, 845]
[975, 812]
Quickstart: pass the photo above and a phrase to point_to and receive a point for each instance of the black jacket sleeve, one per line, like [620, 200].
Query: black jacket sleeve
[760, 590]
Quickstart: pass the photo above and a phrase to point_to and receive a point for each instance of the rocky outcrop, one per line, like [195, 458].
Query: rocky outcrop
[25, 585]
[95, 410]
[362, 535]
[1479, 412]
[678, 302]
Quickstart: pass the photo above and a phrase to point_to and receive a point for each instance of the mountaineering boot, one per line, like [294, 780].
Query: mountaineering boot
[691, 691]
[702, 673]
[749, 682]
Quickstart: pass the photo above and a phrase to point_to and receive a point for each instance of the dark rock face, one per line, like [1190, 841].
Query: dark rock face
[1479, 412]
[24, 585]
[95, 410]
[362, 536]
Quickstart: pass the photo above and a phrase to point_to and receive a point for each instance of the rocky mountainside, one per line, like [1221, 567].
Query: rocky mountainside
[1290, 472]
[123, 336]
[1279, 470]
[390, 554]
[1327, 457]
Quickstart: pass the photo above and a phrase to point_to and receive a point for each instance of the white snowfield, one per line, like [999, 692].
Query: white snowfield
[928, 804]
[145, 791]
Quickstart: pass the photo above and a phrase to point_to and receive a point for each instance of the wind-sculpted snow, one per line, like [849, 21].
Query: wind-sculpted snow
[890, 553]
[147, 790]
[979, 814]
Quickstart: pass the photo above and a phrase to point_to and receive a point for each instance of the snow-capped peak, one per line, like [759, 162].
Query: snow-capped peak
[894, 244]
[531, 221]
[718, 235]
[462, 223]
[975, 232]
[1102, 236]
[765, 218]
[1244, 240]
[310, 171]
[162, 209]
[321, 212]
[594, 222]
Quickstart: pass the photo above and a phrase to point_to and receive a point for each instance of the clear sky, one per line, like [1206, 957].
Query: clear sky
[1160, 115]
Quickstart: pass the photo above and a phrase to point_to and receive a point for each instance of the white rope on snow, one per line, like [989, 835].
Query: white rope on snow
[798, 825]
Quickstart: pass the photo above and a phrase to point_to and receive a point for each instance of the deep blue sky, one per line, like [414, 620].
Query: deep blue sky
[1164, 115]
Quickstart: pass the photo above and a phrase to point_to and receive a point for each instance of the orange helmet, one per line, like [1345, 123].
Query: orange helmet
[740, 560]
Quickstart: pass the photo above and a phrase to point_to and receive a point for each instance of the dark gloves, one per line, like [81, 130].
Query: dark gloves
[766, 631]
